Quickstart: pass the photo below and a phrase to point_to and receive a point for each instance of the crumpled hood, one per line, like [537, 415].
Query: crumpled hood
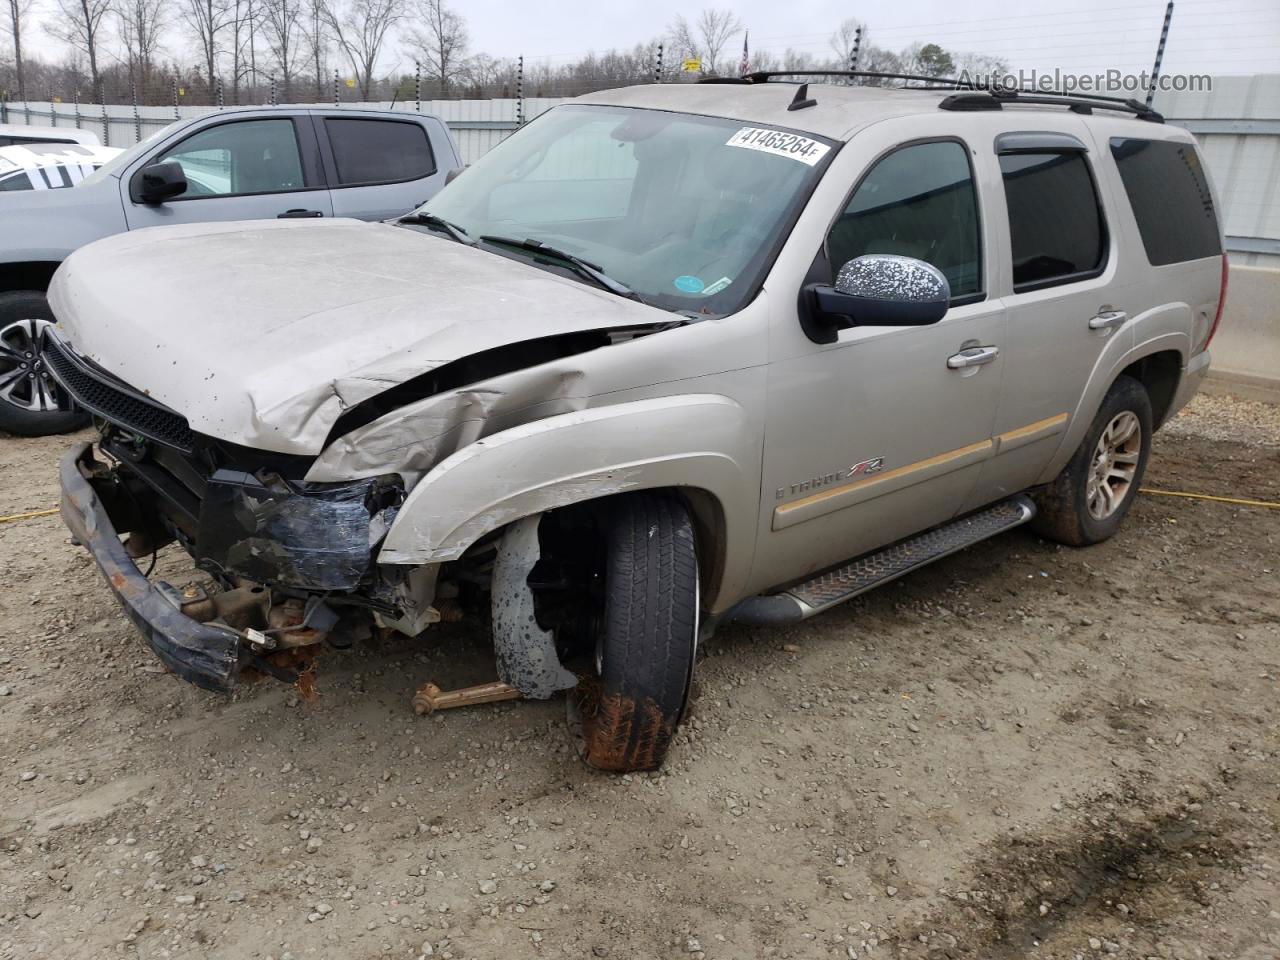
[261, 333]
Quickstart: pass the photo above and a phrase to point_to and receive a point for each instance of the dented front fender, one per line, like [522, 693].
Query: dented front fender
[699, 441]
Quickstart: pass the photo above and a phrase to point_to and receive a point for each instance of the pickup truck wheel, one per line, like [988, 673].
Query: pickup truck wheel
[31, 402]
[1087, 502]
[629, 707]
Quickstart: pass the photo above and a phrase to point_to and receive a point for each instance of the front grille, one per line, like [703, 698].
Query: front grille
[115, 402]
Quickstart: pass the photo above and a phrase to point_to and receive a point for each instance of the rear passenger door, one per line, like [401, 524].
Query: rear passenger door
[1058, 272]
[378, 167]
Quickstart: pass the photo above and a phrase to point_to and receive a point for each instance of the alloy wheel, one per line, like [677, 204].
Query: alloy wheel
[25, 381]
[1114, 466]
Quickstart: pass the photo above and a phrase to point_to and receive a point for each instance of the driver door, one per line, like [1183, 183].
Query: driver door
[882, 432]
[247, 169]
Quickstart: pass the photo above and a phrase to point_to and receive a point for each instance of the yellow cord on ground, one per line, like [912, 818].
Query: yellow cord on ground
[1205, 496]
[29, 516]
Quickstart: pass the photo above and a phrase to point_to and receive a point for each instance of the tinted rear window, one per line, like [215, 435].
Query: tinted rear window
[379, 151]
[1055, 220]
[1170, 197]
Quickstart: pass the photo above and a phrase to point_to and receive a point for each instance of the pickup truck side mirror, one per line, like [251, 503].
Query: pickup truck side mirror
[453, 175]
[159, 182]
[878, 290]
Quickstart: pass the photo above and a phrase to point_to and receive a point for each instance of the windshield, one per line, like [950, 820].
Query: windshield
[117, 163]
[684, 210]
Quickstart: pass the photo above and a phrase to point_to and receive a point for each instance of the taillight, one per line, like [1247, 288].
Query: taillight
[1222, 302]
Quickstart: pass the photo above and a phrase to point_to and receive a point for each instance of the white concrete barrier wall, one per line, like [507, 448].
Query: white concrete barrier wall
[1247, 344]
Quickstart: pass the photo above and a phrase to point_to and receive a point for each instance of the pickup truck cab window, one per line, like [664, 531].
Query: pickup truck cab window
[919, 201]
[378, 151]
[687, 211]
[1056, 226]
[246, 157]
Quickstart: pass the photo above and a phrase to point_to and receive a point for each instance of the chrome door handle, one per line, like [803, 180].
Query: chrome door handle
[972, 357]
[1107, 319]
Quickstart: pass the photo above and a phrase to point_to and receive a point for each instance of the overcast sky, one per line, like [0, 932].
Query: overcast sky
[1234, 36]
[1213, 36]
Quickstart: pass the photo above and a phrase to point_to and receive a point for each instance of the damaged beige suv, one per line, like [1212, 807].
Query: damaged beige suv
[668, 356]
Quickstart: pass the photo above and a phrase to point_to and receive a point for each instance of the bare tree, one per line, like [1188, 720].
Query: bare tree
[443, 42]
[361, 32]
[683, 41]
[140, 23]
[843, 41]
[242, 23]
[316, 35]
[705, 40]
[717, 28]
[18, 10]
[282, 29]
[80, 24]
[207, 19]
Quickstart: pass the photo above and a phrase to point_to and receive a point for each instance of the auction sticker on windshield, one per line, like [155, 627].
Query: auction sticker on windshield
[780, 144]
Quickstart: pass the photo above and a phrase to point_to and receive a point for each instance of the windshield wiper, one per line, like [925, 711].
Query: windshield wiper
[582, 267]
[432, 220]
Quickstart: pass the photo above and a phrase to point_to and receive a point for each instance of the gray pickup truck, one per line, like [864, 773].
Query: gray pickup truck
[668, 356]
[242, 164]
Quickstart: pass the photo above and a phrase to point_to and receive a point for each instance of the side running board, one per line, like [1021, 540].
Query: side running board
[803, 600]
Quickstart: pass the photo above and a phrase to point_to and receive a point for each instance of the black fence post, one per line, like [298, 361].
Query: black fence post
[273, 91]
[76, 97]
[137, 120]
[53, 113]
[417, 85]
[657, 66]
[1164, 38]
[219, 89]
[520, 91]
[174, 91]
[336, 98]
[857, 48]
[106, 124]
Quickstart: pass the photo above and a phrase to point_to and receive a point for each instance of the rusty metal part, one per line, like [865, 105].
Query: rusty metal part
[245, 606]
[450, 610]
[431, 698]
[139, 544]
[206, 655]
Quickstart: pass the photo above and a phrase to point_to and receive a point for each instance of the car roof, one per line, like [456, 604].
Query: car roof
[30, 156]
[839, 112]
[63, 134]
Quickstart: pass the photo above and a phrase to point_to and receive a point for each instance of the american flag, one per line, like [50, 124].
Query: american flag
[746, 56]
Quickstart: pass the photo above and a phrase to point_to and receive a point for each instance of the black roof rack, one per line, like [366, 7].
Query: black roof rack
[979, 95]
[1075, 102]
[763, 76]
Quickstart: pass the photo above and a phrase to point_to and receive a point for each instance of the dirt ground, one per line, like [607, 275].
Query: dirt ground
[1022, 751]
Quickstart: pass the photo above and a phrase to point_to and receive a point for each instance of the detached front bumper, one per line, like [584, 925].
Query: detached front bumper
[203, 654]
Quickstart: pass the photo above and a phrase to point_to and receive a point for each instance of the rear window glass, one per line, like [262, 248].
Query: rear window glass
[379, 151]
[1055, 220]
[1170, 197]
[16, 181]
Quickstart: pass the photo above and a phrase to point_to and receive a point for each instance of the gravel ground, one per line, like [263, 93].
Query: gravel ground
[1022, 751]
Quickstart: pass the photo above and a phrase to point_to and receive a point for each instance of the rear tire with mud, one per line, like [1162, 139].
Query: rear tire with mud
[629, 708]
[1088, 500]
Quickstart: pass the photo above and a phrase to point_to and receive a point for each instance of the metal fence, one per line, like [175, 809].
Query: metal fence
[476, 124]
